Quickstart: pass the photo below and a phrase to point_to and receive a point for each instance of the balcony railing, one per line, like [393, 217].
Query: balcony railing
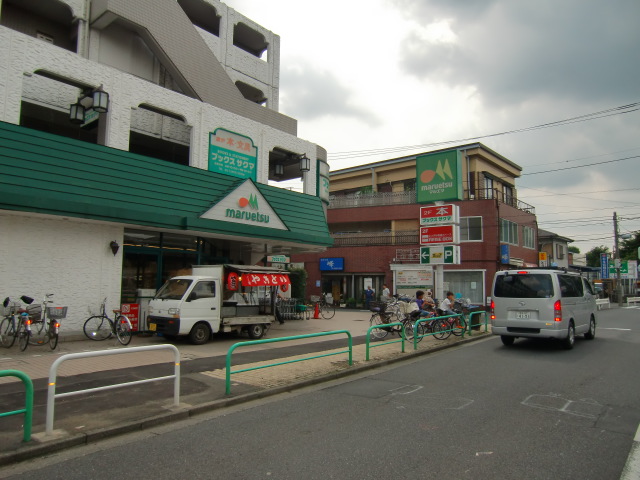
[377, 199]
[358, 239]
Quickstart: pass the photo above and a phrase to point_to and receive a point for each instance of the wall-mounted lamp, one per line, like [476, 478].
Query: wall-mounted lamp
[305, 163]
[278, 170]
[96, 99]
[114, 247]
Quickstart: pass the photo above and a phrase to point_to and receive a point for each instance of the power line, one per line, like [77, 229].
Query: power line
[581, 118]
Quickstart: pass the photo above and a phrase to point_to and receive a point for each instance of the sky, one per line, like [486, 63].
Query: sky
[371, 80]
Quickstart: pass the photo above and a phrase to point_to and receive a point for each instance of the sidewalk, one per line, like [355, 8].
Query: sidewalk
[83, 418]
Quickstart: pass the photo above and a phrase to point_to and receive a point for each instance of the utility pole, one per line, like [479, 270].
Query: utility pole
[616, 256]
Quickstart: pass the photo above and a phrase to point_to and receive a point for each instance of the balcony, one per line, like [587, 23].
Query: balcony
[377, 199]
[359, 239]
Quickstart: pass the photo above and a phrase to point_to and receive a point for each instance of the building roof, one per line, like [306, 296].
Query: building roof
[545, 234]
[413, 157]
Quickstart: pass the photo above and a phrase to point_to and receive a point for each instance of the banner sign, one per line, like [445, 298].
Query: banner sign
[334, 264]
[439, 177]
[504, 255]
[439, 214]
[264, 279]
[604, 265]
[440, 234]
[232, 154]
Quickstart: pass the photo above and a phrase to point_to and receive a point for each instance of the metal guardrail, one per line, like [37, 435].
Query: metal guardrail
[53, 370]
[471, 324]
[416, 337]
[282, 339]
[382, 325]
[28, 407]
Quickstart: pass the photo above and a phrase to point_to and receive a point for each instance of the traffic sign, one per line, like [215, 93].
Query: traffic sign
[439, 214]
[438, 235]
[446, 254]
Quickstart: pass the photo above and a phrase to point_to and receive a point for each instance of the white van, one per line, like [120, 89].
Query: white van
[542, 303]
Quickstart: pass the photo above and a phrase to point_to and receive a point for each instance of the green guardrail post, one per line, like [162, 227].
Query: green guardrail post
[228, 371]
[28, 408]
[375, 327]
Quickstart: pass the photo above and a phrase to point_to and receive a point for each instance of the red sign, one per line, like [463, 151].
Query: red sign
[232, 281]
[437, 235]
[132, 312]
[264, 279]
[438, 214]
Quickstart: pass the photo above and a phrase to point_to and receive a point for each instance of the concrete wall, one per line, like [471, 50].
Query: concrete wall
[83, 273]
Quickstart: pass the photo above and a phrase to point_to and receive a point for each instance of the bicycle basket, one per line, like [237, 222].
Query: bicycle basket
[408, 307]
[56, 312]
[35, 312]
[378, 306]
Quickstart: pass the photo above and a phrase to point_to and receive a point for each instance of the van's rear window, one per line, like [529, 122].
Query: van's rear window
[525, 285]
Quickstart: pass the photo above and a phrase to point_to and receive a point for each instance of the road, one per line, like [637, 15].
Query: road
[478, 411]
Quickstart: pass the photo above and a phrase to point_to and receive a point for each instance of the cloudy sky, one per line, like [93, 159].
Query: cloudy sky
[386, 78]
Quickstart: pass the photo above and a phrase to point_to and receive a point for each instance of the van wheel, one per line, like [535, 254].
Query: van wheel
[256, 331]
[507, 341]
[568, 342]
[591, 334]
[199, 334]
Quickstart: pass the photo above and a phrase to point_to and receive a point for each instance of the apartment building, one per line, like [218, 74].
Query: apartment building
[140, 137]
[374, 219]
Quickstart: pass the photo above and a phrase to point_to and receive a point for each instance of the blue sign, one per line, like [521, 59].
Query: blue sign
[504, 254]
[332, 264]
[604, 265]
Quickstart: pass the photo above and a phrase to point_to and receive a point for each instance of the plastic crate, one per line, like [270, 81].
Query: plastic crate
[56, 312]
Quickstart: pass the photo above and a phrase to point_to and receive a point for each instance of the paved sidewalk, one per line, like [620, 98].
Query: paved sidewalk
[83, 418]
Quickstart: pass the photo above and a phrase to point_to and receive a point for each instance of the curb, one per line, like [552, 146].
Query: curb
[41, 445]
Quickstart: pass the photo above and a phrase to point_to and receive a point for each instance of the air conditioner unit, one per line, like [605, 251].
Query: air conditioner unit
[471, 196]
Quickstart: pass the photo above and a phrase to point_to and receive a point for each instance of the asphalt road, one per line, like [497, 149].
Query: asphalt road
[479, 411]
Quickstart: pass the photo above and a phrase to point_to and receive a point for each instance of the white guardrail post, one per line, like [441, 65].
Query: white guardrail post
[53, 370]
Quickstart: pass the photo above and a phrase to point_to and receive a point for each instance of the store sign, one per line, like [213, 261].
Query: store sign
[264, 279]
[414, 278]
[439, 214]
[604, 265]
[232, 154]
[334, 264]
[245, 205]
[438, 235]
[132, 312]
[444, 255]
[439, 177]
[278, 259]
[505, 256]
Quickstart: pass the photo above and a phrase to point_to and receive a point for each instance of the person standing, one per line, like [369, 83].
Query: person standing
[369, 295]
[386, 293]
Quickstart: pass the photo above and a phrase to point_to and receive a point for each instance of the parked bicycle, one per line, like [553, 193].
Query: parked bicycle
[16, 323]
[45, 322]
[100, 327]
[327, 310]
[400, 310]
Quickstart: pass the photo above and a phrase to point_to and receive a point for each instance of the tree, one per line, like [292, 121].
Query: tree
[593, 255]
[629, 247]
[573, 249]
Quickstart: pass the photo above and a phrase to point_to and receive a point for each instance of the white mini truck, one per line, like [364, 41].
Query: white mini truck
[227, 298]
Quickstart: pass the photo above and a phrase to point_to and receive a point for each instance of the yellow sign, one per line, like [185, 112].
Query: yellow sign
[542, 256]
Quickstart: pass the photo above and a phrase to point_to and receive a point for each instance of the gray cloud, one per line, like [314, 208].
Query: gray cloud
[513, 51]
[310, 93]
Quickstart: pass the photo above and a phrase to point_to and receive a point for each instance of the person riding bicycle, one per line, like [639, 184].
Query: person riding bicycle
[425, 304]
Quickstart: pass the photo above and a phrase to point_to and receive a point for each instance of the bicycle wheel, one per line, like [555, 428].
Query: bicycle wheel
[444, 327]
[7, 332]
[459, 326]
[327, 311]
[378, 333]
[53, 335]
[97, 328]
[24, 336]
[123, 329]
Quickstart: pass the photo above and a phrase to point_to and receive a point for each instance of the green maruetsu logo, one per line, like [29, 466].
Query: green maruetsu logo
[239, 213]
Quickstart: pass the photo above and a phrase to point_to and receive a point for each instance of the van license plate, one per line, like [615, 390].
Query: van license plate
[524, 315]
[152, 327]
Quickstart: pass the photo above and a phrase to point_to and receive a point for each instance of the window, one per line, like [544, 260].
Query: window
[507, 194]
[470, 229]
[528, 237]
[488, 187]
[559, 251]
[570, 286]
[508, 232]
[204, 290]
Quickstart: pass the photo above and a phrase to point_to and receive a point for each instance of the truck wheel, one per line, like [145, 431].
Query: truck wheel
[256, 331]
[199, 334]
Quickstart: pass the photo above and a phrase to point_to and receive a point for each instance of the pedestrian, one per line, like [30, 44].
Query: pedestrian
[386, 293]
[277, 304]
[369, 295]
